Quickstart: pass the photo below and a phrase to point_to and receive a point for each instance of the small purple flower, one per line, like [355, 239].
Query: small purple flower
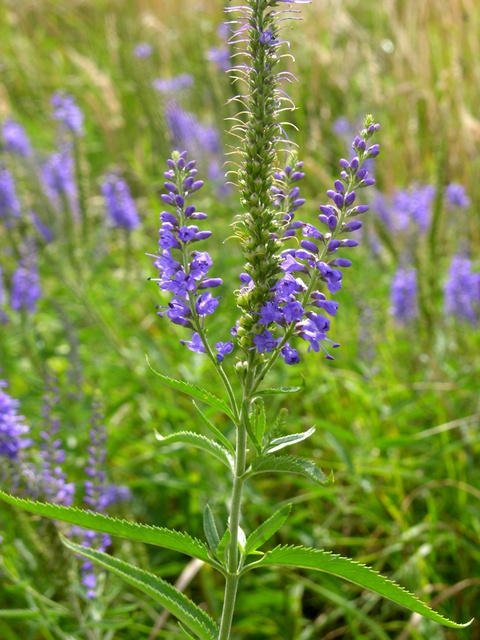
[265, 342]
[206, 304]
[289, 354]
[172, 85]
[25, 290]
[9, 203]
[456, 196]
[220, 56]
[15, 138]
[68, 114]
[143, 50]
[404, 296]
[195, 344]
[462, 291]
[223, 349]
[12, 426]
[119, 203]
[58, 177]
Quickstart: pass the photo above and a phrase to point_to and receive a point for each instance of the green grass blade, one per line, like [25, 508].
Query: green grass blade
[163, 592]
[196, 392]
[167, 538]
[305, 558]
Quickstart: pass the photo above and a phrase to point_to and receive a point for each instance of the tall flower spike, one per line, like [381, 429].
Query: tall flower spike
[256, 34]
[26, 290]
[182, 268]
[53, 481]
[295, 299]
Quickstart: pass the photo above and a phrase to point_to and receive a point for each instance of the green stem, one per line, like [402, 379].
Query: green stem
[233, 559]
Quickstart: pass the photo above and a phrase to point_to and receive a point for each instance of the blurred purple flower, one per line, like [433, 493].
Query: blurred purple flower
[143, 50]
[462, 290]
[25, 290]
[220, 56]
[53, 482]
[172, 85]
[58, 177]
[15, 138]
[68, 113]
[9, 203]
[119, 203]
[456, 196]
[404, 295]
[12, 427]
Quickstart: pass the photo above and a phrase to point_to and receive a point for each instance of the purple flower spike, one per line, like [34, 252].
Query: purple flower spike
[12, 426]
[119, 203]
[15, 139]
[403, 296]
[9, 203]
[68, 114]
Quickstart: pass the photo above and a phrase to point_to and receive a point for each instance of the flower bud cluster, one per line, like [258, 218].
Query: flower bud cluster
[183, 270]
[296, 300]
[256, 36]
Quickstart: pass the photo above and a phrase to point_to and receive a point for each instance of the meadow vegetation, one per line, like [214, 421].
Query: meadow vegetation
[396, 413]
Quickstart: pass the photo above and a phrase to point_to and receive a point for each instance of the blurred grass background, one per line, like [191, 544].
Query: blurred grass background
[399, 426]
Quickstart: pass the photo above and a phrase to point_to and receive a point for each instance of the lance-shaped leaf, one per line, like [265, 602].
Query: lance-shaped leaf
[200, 442]
[216, 432]
[258, 418]
[167, 538]
[360, 574]
[266, 530]
[196, 392]
[163, 592]
[270, 463]
[223, 546]
[279, 443]
[210, 528]
[278, 391]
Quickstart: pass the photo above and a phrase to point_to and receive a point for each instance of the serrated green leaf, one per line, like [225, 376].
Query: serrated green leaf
[267, 529]
[270, 463]
[210, 528]
[278, 391]
[167, 538]
[163, 592]
[200, 442]
[360, 574]
[196, 392]
[187, 635]
[216, 432]
[280, 443]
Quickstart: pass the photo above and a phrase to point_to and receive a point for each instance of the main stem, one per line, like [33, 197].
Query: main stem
[233, 565]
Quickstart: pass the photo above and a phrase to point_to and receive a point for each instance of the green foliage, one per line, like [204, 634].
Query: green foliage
[167, 538]
[396, 414]
[301, 557]
[184, 609]
[269, 463]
